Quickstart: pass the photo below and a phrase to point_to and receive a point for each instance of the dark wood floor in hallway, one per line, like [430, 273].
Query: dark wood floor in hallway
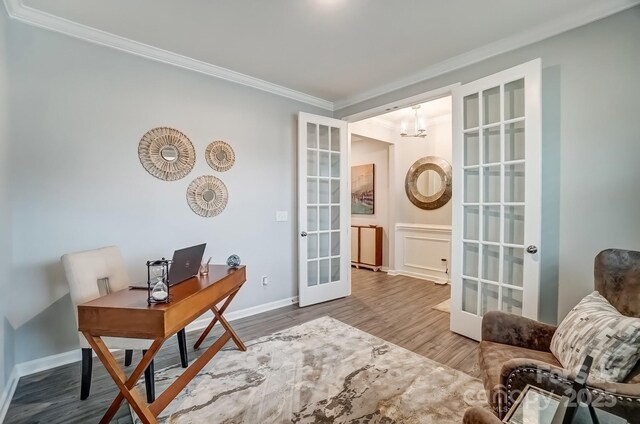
[397, 309]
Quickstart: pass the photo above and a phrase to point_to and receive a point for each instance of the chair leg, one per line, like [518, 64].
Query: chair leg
[87, 366]
[128, 357]
[149, 381]
[182, 345]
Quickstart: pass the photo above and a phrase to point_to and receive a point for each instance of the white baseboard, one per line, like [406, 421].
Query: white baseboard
[48, 362]
[427, 277]
[7, 393]
[370, 267]
[204, 320]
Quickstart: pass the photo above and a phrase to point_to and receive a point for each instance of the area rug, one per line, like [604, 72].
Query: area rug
[323, 371]
[443, 306]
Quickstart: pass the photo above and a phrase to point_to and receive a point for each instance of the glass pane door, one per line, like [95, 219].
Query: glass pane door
[496, 208]
[494, 193]
[323, 204]
[323, 217]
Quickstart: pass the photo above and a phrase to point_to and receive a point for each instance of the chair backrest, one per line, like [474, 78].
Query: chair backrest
[617, 278]
[94, 273]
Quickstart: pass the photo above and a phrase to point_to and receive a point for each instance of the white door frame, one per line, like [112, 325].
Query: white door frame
[403, 103]
[381, 110]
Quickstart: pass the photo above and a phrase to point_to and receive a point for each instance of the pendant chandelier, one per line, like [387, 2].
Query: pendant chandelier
[419, 126]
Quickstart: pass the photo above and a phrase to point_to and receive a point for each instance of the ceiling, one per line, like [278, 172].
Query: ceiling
[429, 111]
[336, 51]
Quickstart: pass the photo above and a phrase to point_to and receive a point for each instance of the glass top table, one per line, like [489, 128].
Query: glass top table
[537, 406]
[534, 406]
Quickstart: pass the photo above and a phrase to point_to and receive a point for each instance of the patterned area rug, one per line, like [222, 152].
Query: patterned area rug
[322, 371]
[443, 306]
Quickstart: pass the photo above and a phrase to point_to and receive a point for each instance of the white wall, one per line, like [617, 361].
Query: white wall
[423, 237]
[78, 113]
[365, 151]
[6, 345]
[590, 91]
[408, 150]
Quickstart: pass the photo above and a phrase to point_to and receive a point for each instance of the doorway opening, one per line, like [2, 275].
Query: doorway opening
[488, 236]
[388, 231]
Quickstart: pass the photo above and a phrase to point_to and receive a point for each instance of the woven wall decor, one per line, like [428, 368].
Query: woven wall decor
[207, 196]
[220, 156]
[429, 201]
[166, 153]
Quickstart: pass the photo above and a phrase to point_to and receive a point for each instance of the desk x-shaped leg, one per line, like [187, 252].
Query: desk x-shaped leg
[125, 385]
[147, 413]
[218, 317]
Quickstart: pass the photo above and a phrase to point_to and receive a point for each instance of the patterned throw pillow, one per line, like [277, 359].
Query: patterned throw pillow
[594, 327]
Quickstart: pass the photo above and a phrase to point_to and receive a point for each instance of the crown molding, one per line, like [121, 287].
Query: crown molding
[583, 16]
[17, 10]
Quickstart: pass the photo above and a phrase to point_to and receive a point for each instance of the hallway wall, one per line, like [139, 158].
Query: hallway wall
[418, 239]
[365, 151]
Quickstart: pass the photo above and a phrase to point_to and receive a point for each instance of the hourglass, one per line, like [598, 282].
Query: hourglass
[158, 281]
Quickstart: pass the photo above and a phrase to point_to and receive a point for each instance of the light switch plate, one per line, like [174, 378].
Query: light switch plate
[282, 216]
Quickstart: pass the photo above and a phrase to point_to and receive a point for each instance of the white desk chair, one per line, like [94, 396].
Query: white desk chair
[95, 273]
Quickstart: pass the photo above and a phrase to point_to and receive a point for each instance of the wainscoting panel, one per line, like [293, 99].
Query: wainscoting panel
[420, 249]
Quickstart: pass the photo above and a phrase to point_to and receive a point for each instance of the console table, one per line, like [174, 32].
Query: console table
[126, 314]
[366, 246]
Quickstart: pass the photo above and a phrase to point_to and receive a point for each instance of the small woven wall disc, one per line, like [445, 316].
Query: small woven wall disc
[207, 196]
[220, 156]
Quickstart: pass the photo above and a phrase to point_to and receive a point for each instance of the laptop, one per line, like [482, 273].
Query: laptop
[185, 264]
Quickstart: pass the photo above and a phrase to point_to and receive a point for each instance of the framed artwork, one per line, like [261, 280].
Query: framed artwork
[362, 189]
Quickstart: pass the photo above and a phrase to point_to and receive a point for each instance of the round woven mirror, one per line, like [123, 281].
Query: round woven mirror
[166, 153]
[428, 183]
[207, 196]
[220, 156]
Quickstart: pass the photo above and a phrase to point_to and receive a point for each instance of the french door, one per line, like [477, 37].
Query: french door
[496, 197]
[323, 209]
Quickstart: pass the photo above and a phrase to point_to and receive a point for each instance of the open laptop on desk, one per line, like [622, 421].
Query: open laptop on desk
[184, 265]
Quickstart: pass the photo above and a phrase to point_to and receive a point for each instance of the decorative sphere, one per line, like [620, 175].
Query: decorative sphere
[233, 261]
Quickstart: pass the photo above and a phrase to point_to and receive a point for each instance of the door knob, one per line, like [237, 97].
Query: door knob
[303, 234]
[532, 249]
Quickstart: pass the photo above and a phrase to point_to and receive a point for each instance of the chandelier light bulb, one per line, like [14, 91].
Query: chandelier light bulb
[422, 125]
[419, 125]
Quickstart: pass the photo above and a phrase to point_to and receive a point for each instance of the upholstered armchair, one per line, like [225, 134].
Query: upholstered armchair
[515, 351]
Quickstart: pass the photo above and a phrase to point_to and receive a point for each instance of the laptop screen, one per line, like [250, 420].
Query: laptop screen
[186, 263]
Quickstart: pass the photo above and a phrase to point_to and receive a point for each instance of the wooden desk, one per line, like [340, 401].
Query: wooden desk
[126, 314]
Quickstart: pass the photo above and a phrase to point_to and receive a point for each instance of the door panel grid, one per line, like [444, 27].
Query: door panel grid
[493, 207]
[323, 213]
[496, 197]
[323, 204]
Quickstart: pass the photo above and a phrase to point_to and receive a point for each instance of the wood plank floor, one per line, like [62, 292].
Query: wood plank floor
[397, 309]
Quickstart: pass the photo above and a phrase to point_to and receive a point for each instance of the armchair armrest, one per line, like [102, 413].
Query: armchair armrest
[515, 330]
[478, 415]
